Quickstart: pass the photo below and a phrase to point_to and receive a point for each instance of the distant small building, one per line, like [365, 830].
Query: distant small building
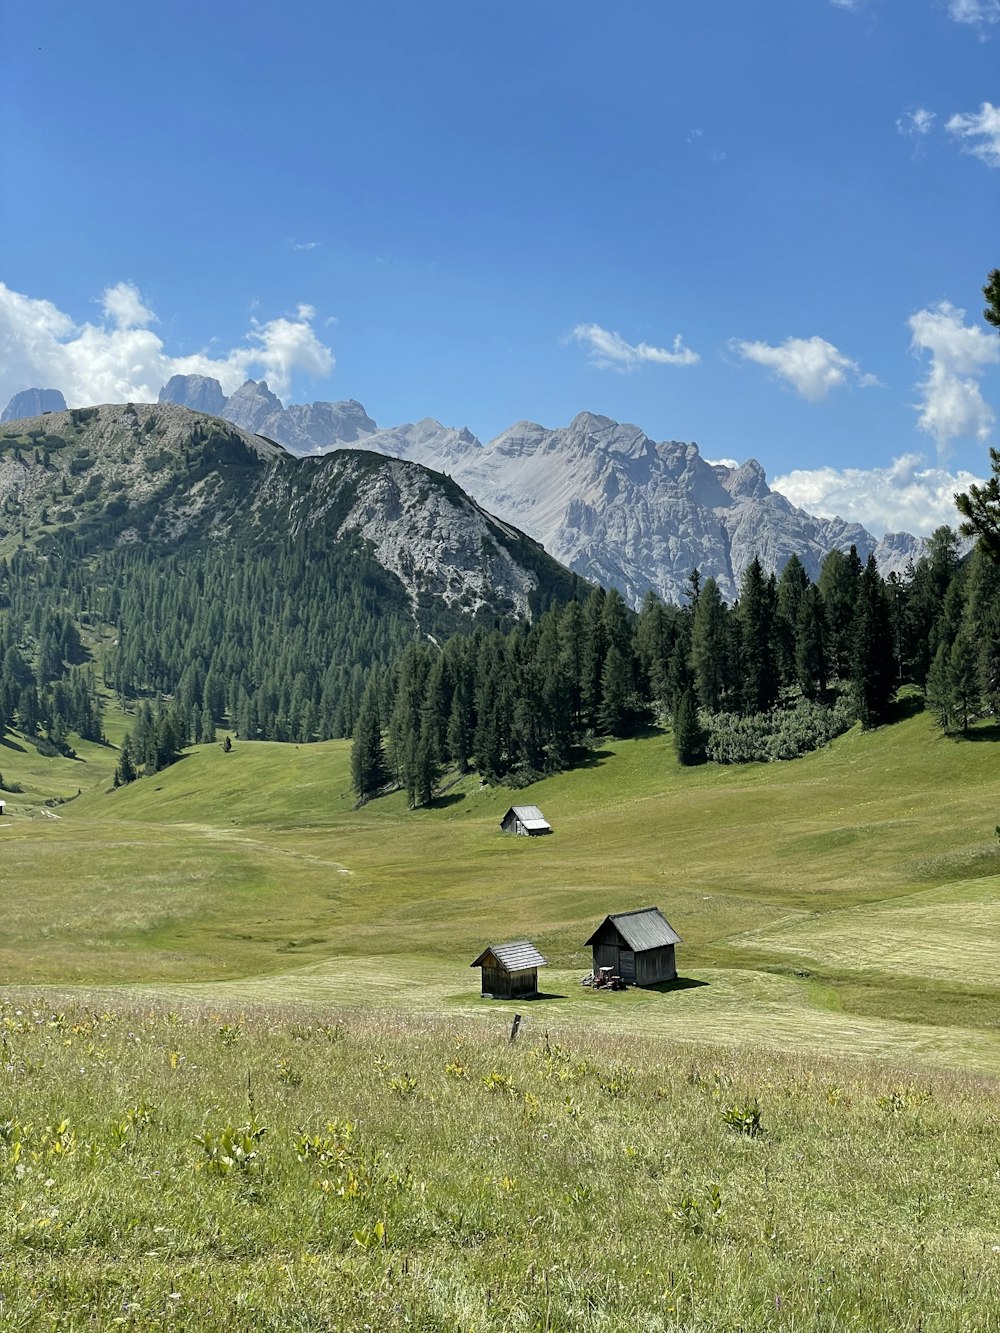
[510, 971]
[525, 819]
[637, 946]
[3, 806]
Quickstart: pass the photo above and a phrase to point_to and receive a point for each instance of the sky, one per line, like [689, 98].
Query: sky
[762, 227]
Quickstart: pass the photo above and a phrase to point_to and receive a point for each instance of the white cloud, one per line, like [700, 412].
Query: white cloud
[916, 124]
[610, 351]
[906, 496]
[121, 359]
[953, 404]
[847, 4]
[123, 304]
[981, 132]
[303, 245]
[975, 12]
[812, 366]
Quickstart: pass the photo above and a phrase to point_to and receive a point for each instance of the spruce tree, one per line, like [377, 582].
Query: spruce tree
[874, 673]
[689, 738]
[708, 646]
[368, 768]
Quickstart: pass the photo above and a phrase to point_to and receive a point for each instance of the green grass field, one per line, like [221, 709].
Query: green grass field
[846, 902]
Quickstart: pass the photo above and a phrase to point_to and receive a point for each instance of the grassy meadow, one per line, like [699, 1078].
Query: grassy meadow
[848, 901]
[273, 1169]
[247, 1076]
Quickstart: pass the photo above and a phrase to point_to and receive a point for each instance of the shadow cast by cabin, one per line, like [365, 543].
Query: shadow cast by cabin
[678, 983]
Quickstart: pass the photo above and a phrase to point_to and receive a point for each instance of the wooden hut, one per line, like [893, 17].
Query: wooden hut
[525, 819]
[510, 971]
[638, 946]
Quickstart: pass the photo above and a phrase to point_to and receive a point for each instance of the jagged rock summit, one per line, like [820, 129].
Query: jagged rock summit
[32, 403]
[602, 497]
[304, 428]
[624, 510]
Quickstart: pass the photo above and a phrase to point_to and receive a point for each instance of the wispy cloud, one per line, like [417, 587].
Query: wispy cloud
[907, 496]
[976, 13]
[303, 245]
[952, 404]
[812, 366]
[121, 358]
[916, 124]
[610, 351]
[848, 4]
[980, 132]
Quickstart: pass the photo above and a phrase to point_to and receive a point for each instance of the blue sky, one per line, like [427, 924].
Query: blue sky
[754, 226]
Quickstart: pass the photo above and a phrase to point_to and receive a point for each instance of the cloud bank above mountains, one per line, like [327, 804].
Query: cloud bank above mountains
[120, 356]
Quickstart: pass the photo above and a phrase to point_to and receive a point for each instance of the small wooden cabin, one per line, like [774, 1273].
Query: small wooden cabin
[638, 946]
[510, 971]
[525, 819]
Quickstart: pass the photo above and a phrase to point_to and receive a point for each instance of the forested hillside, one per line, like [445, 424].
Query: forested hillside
[205, 575]
[785, 668]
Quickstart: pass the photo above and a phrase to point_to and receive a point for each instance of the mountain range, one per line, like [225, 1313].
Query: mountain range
[161, 474]
[605, 500]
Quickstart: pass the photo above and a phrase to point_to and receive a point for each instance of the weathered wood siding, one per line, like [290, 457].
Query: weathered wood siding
[655, 965]
[639, 969]
[504, 985]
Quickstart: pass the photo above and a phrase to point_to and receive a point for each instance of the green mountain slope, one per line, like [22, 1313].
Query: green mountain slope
[203, 562]
[846, 901]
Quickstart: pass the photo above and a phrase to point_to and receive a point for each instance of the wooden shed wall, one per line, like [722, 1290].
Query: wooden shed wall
[504, 985]
[641, 969]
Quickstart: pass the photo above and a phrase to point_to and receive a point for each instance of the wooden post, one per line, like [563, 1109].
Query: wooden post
[514, 1026]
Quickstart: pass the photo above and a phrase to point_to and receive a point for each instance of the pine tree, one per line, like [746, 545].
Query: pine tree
[874, 672]
[689, 738]
[755, 611]
[125, 770]
[708, 646]
[368, 767]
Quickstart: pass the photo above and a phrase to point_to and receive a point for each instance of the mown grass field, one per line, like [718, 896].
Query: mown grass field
[846, 902]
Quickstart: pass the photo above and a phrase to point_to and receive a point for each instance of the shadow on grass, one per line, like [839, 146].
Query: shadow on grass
[591, 758]
[679, 983]
[449, 798]
[907, 705]
[987, 733]
[8, 744]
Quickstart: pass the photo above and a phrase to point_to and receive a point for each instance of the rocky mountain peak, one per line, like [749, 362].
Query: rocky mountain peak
[33, 403]
[252, 404]
[199, 392]
[747, 482]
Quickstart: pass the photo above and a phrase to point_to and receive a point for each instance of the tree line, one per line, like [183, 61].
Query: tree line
[786, 667]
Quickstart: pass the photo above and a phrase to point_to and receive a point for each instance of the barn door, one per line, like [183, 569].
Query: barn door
[626, 965]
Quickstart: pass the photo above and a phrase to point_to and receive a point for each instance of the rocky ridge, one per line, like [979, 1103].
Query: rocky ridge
[602, 497]
[162, 473]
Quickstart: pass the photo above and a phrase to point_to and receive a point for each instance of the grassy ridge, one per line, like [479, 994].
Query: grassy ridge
[845, 900]
[205, 1168]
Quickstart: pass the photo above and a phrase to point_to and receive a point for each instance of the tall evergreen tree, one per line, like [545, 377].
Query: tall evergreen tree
[755, 610]
[708, 646]
[368, 767]
[874, 672]
[689, 737]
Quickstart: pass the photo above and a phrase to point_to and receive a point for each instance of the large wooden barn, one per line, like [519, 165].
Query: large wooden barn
[525, 819]
[510, 971]
[637, 946]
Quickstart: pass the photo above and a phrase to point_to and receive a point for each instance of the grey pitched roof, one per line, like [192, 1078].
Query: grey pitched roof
[530, 816]
[646, 928]
[514, 957]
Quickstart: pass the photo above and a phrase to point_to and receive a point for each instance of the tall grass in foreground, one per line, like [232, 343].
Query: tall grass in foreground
[200, 1170]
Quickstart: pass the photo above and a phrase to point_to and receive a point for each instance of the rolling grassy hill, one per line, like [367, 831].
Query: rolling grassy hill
[845, 902]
